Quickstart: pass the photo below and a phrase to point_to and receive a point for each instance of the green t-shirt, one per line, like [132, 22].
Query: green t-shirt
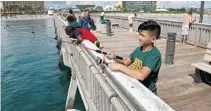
[75, 25]
[151, 59]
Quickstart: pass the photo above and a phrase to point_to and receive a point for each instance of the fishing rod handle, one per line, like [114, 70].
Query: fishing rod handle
[118, 57]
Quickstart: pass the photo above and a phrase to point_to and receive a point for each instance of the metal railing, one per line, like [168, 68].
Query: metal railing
[199, 35]
[101, 89]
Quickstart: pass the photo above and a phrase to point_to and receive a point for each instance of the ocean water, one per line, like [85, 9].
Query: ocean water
[31, 79]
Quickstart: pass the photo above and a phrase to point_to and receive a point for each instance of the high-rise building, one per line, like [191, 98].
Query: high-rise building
[119, 4]
[158, 5]
[27, 6]
[140, 4]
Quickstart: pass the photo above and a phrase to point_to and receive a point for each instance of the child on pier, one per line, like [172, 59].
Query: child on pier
[75, 31]
[145, 61]
[70, 13]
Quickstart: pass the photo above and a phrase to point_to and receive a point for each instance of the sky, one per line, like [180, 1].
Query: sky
[163, 4]
[180, 4]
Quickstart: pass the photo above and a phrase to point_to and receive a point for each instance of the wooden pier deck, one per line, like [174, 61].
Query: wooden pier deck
[175, 84]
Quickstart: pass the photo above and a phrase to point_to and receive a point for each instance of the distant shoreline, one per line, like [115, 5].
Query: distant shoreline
[155, 14]
[27, 18]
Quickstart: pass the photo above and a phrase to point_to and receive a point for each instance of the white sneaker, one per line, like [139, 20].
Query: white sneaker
[131, 30]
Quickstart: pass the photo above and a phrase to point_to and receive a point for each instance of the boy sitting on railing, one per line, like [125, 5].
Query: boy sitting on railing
[145, 61]
[75, 31]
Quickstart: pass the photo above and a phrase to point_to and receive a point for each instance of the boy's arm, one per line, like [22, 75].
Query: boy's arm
[192, 20]
[78, 35]
[136, 74]
[141, 74]
[125, 61]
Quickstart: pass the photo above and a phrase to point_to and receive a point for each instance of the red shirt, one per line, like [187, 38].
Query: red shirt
[85, 34]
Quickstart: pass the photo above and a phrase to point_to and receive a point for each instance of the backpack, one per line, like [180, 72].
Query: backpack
[93, 26]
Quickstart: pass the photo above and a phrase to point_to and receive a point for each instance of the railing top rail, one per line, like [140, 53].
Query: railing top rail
[142, 18]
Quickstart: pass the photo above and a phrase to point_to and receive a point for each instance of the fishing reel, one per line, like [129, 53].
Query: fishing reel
[100, 61]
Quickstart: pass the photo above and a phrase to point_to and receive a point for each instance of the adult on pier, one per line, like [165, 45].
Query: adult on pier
[130, 21]
[86, 21]
[188, 21]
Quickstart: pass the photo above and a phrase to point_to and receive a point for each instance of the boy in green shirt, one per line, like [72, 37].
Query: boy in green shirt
[145, 61]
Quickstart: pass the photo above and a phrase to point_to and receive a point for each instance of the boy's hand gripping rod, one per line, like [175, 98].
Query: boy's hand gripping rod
[99, 51]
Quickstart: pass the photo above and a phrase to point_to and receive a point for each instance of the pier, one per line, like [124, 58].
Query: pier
[104, 90]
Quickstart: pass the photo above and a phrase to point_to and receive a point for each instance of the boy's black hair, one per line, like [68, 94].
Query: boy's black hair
[86, 10]
[190, 12]
[70, 11]
[70, 18]
[70, 31]
[152, 27]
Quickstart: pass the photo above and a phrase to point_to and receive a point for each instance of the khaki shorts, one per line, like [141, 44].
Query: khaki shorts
[185, 29]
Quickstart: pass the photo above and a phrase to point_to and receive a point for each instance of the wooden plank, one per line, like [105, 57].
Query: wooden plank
[200, 96]
[189, 53]
[131, 48]
[199, 105]
[179, 62]
[174, 73]
[207, 57]
[120, 43]
[175, 82]
[172, 94]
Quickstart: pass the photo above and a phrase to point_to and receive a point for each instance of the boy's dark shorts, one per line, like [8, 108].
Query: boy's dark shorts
[97, 43]
[131, 25]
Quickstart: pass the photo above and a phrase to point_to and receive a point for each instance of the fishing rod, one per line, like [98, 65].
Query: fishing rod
[105, 53]
[99, 60]
[24, 29]
[29, 24]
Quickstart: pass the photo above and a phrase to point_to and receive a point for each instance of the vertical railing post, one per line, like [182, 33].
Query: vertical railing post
[108, 28]
[170, 48]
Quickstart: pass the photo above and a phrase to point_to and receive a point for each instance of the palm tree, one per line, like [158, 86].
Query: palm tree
[16, 8]
[5, 9]
[11, 8]
[28, 9]
[21, 9]
[39, 9]
[25, 8]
